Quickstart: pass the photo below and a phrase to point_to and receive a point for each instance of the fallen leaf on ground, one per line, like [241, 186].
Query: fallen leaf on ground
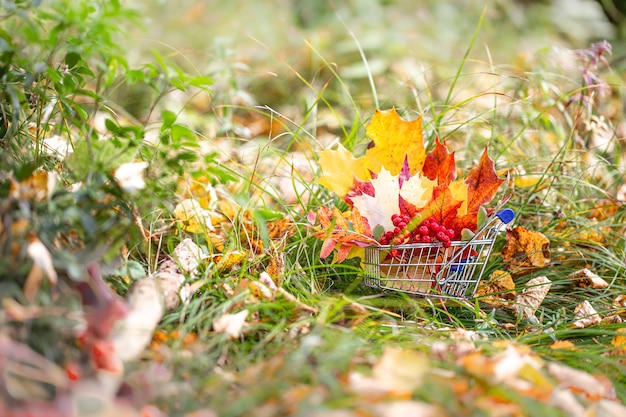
[619, 343]
[188, 255]
[498, 290]
[195, 219]
[129, 176]
[39, 186]
[528, 301]
[525, 249]
[563, 344]
[587, 279]
[406, 408]
[585, 315]
[592, 387]
[42, 264]
[397, 371]
[231, 324]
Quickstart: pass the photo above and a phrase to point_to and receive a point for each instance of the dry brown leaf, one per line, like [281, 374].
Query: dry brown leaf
[276, 266]
[606, 408]
[406, 408]
[528, 301]
[585, 278]
[42, 265]
[397, 372]
[498, 290]
[525, 249]
[231, 324]
[619, 303]
[612, 319]
[585, 315]
[38, 187]
[188, 255]
[580, 382]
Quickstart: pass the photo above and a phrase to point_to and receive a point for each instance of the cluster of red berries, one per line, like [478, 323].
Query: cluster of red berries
[427, 232]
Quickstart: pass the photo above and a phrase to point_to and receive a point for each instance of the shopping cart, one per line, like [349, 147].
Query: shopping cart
[430, 269]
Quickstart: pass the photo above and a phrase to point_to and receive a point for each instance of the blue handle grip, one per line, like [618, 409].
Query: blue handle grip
[506, 215]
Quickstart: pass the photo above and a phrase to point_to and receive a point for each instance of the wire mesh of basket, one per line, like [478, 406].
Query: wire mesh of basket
[429, 269]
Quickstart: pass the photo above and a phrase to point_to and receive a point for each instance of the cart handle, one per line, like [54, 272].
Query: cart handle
[506, 215]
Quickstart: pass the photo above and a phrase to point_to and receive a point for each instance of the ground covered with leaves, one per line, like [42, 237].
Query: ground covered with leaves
[290, 214]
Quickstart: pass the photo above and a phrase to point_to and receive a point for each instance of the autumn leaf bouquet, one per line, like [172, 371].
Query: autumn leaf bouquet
[399, 194]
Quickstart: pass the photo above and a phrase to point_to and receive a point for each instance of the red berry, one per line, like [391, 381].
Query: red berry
[447, 244]
[402, 224]
[389, 235]
[384, 240]
[442, 236]
[426, 239]
[397, 230]
[423, 230]
[450, 232]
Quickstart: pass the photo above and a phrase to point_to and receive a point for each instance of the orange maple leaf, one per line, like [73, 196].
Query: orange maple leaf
[439, 164]
[394, 141]
[482, 183]
[340, 233]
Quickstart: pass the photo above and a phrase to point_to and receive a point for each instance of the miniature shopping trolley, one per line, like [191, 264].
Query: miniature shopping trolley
[430, 269]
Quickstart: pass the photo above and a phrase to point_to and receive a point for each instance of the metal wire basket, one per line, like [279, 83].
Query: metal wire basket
[429, 269]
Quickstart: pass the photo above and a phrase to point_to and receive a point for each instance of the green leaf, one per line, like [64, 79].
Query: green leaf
[179, 132]
[481, 218]
[71, 59]
[467, 234]
[168, 118]
[378, 231]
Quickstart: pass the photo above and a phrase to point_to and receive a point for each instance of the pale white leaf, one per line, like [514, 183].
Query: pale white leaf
[379, 209]
[585, 315]
[129, 176]
[231, 324]
[418, 190]
[188, 255]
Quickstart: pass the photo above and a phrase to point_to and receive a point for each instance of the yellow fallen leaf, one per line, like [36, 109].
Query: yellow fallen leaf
[619, 343]
[194, 218]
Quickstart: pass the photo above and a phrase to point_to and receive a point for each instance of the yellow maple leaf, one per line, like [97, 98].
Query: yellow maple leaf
[394, 140]
[339, 169]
